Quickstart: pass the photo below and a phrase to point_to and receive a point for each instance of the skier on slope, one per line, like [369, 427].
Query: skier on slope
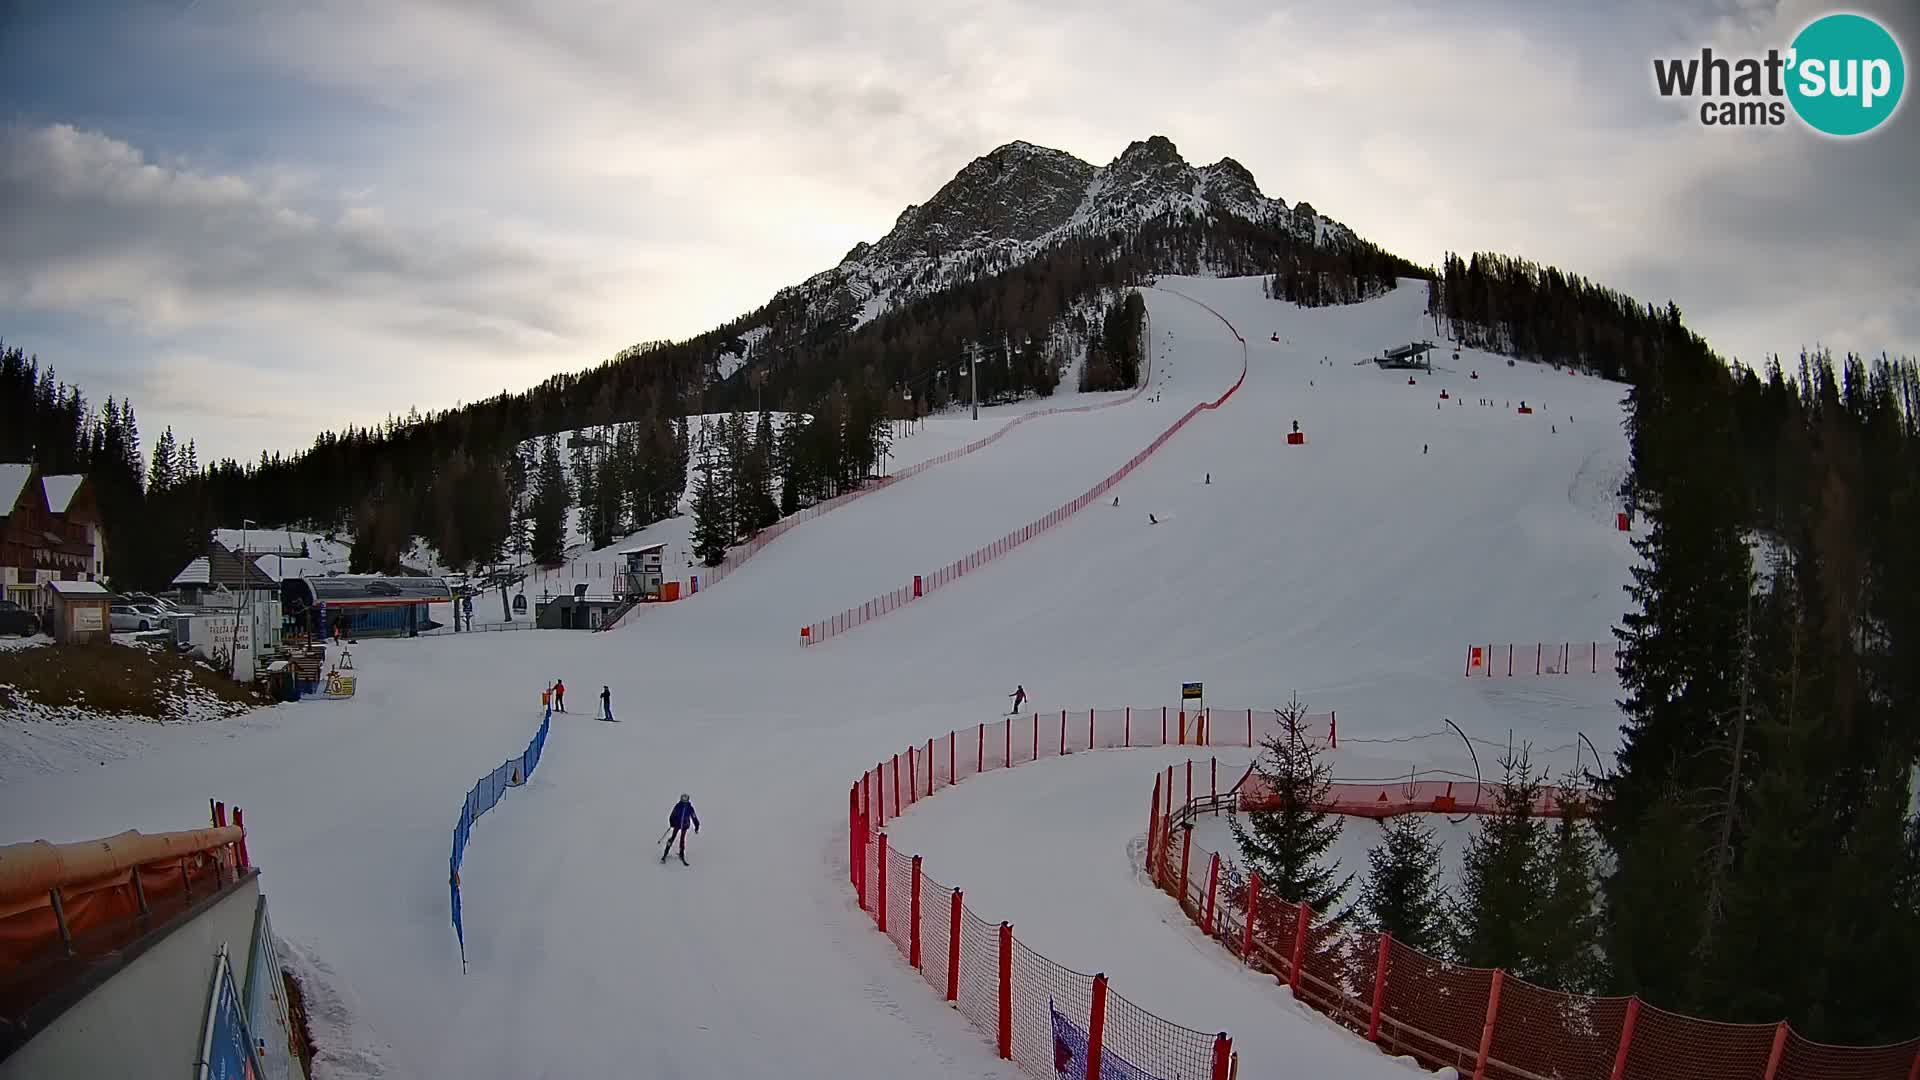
[1019, 697]
[559, 695]
[606, 703]
[678, 819]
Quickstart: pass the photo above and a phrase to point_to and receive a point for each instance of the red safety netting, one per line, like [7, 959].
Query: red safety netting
[926, 583]
[1541, 658]
[1437, 1012]
[1140, 1038]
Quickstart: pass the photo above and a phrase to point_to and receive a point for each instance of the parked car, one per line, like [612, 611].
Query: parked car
[126, 618]
[160, 607]
[15, 619]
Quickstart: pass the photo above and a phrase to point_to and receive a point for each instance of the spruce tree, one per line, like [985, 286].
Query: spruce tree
[1289, 843]
[1403, 894]
[712, 530]
[550, 501]
[1503, 880]
[1568, 937]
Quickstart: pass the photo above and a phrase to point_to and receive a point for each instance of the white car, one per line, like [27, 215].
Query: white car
[129, 618]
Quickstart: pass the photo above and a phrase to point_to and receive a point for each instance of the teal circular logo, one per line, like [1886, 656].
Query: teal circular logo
[1847, 74]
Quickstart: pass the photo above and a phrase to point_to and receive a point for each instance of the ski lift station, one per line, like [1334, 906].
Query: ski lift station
[1415, 356]
[374, 606]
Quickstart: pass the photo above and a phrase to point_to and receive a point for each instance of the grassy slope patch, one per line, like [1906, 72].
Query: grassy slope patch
[115, 680]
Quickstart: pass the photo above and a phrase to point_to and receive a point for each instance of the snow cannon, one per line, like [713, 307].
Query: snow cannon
[1296, 437]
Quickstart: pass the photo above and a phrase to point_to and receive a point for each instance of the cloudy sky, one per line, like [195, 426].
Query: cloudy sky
[262, 218]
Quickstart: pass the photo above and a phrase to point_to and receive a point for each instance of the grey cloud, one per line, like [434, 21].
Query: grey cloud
[90, 223]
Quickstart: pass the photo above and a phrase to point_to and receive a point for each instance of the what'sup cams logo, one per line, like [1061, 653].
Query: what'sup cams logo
[1843, 75]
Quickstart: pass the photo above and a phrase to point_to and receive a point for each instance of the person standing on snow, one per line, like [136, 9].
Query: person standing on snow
[606, 703]
[677, 821]
[560, 695]
[1019, 697]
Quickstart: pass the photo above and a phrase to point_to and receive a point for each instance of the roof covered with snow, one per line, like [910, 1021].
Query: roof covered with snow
[13, 477]
[282, 567]
[78, 588]
[195, 573]
[368, 588]
[60, 490]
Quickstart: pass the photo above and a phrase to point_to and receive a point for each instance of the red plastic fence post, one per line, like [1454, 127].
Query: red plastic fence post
[1163, 725]
[1213, 889]
[1379, 987]
[1486, 1029]
[955, 914]
[1153, 821]
[1213, 785]
[1036, 736]
[1914, 1073]
[913, 777]
[219, 815]
[930, 766]
[1186, 859]
[1626, 1040]
[980, 764]
[240, 845]
[1063, 733]
[1302, 921]
[913, 918]
[1222, 1056]
[916, 586]
[953, 777]
[1253, 912]
[1127, 741]
[1009, 742]
[1006, 991]
[878, 800]
[1594, 657]
[1249, 728]
[897, 804]
[1089, 729]
[1189, 799]
[1779, 1048]
[1333, 729]
[1096, 1026]
[853, 836]
[882, 912]
[1183, 726]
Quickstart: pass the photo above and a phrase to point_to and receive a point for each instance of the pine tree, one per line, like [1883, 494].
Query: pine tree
[1403, 894]
[586, 481]
[164, 472]
[711, 528]
[1289, 843]
[550, 501]
[1568, 937]
[1503, 881]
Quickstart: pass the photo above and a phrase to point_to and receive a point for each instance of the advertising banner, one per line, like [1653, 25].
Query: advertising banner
[226, 1049]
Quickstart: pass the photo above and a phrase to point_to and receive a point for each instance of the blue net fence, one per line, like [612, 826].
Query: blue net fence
[1070, 1053]
[491, 788]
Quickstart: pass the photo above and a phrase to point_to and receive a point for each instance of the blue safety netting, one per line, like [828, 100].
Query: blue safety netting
[1070, 1053]
[512, 773]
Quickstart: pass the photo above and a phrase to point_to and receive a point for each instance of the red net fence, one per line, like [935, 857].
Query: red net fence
[1483, 1023]
[707, 577]
[1542, 658]
[922, 584]
[1048, 1019]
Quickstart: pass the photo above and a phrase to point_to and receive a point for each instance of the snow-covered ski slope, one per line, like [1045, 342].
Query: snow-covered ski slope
[1353, 569]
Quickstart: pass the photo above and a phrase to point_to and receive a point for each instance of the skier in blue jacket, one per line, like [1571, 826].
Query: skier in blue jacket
[678, 820]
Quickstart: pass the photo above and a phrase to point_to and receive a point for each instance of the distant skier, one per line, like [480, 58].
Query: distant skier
[1423, 448]
[1209, 478]
[1151, 520]
[1116, 500]
[560, 695]
[1019, 697]
[678, 819]
[606, 703]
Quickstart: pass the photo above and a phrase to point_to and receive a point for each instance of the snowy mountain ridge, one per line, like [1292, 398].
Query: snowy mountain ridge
[1013, 204]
